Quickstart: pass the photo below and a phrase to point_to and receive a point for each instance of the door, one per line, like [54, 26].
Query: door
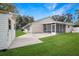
[52, 27]
[9, 31]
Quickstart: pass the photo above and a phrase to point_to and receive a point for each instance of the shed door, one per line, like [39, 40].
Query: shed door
[9, 30]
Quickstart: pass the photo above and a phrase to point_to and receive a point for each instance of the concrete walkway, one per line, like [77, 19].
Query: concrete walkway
[41, 35]
[28, 39]
[24, 40]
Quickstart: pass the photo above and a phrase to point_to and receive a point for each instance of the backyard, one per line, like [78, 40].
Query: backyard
[59, 45]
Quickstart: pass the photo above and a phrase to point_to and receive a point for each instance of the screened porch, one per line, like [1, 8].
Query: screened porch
[54, 28]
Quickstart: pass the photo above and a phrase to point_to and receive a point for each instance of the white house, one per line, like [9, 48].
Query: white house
[48, 25]
[7, 30]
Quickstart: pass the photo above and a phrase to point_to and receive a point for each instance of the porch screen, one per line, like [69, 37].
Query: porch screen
[60, 28]
[47, 27]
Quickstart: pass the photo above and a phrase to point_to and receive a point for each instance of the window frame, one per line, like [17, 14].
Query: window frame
[9, 24]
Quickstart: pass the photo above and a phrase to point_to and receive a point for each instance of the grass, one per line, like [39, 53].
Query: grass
[19, 33]
[60, 45]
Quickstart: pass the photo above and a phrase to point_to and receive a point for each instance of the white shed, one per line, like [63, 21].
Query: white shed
[7, 30]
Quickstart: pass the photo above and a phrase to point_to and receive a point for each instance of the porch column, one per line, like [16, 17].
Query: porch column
[59, 28]
[51, 28]
[55, 27]
[62, 28]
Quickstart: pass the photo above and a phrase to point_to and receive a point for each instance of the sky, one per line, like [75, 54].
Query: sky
[41, 10]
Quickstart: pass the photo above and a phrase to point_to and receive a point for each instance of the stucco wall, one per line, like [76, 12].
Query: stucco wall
[36, 28]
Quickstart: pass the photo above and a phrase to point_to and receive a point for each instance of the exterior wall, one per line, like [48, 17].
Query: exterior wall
[68, 28]
[37, 27]
[3, 31]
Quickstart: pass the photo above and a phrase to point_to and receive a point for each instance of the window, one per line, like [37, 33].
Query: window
[9, 21]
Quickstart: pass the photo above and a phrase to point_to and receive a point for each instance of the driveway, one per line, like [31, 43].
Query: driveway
[24, 40]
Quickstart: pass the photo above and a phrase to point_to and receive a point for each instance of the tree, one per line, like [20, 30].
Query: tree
[59, 18]
[77, 14]
[68, 17]
[62, 18]
[7, 7]
[77, 22]
[23, 20]
[18, 21]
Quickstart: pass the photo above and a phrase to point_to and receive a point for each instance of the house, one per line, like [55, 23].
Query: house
[48, 25]
[7, 30]
[75, 28]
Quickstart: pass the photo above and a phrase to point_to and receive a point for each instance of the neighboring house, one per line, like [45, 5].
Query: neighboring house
[7, 30]
[76, 28]
[48, 25]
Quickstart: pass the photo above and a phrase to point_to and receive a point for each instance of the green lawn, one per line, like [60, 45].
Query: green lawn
[19, 33]
[61, 44]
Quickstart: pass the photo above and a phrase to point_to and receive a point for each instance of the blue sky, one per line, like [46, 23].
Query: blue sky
[41, 10]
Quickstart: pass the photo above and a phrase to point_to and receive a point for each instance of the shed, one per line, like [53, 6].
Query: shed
[7, 30]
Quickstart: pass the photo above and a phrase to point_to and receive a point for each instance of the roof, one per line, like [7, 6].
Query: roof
[12, 16]
[42, 19]
[26, 25]
[54, 21]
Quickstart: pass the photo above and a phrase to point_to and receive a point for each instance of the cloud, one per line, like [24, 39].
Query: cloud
[62, 10]
[51, 6]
